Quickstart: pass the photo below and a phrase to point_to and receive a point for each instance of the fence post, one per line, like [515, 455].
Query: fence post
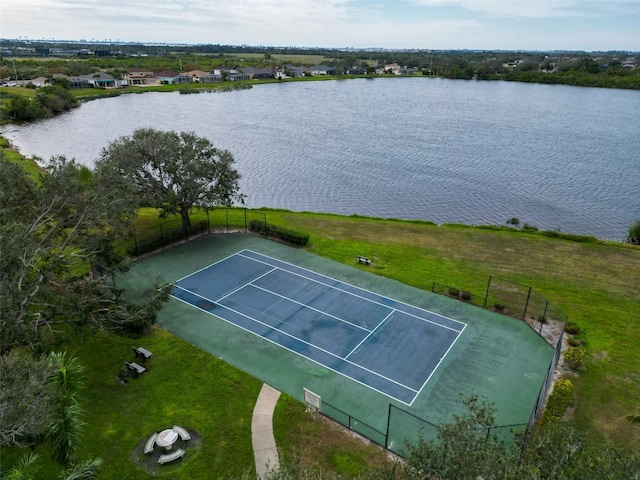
[161, 237]
[208, 222]
[245, 220]
[544, 316]
[386, 435]
[227, 213]
[526, 305]
[486, 295]
[433, 287]
[265, 224]
[135, 244]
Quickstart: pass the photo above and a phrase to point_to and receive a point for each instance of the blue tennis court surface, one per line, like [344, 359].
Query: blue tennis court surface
[387, 345]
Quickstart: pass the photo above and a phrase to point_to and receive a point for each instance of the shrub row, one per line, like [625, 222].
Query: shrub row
[298, 239]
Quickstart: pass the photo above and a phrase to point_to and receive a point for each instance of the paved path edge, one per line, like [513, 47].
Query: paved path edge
[264, 444]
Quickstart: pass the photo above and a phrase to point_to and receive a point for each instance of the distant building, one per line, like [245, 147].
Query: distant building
[141, 77]
[211, 78]
[323, 70]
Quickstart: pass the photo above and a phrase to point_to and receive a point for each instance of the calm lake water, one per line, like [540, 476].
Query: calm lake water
[472, 152]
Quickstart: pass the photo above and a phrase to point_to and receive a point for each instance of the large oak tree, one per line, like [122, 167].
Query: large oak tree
[51, 230]
[174, 171]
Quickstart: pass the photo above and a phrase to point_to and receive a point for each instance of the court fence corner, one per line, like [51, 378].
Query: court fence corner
[171, 231]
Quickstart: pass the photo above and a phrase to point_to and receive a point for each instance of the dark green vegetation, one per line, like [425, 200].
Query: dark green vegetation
[634, 233]
[173, 171]
[46, 102]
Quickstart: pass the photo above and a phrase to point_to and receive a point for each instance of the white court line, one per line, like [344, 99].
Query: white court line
[306, 306]
[438, 364]
[300, 354]
[351, 293]
[210, 265]
[246, 284]
[370, 334]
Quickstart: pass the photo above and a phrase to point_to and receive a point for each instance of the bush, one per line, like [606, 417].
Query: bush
[634, 233]
[499, 307]
[290, 236]
[465, 295]
[574, 358]
[560, 399]
[572, 329]
[542, 319]
[453, 292]
[574, 342]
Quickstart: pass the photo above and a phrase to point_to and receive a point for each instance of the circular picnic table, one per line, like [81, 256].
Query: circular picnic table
[167, 438]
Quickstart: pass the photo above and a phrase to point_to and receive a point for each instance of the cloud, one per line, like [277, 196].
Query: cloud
[398, 24]
[513, 8]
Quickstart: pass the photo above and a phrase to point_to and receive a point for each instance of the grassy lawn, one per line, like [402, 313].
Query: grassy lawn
[185, 386]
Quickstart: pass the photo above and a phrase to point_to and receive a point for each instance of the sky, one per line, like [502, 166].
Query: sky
[584, 25]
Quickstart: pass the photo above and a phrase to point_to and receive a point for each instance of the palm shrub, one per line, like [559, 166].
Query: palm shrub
[65, 428]
[634, 233]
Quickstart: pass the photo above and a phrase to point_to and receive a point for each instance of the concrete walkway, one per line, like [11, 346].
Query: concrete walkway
[264, 445]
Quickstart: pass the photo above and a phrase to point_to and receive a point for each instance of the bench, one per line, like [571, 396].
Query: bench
[143, 353]
[135, 368]
[170, 457]
[182, 432]
[151, 442]
[364, 260]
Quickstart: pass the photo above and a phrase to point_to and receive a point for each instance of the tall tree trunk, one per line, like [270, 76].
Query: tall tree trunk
[186, 221]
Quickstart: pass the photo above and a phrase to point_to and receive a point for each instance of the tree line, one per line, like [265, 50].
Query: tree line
[600, 69]
[54, 230]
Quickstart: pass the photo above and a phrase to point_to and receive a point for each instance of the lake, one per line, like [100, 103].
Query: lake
[450, 151]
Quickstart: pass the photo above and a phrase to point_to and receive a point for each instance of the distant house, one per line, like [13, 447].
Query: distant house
[355, 71]
[141, 77]
[407, 71]
[224, 71]
[323, 70]
[258, 73]
[295, 71]
[392, 68]
[235, 77]
[39, 81]
[195, 74]
[99, 80]
[211, 78]
[166, 76]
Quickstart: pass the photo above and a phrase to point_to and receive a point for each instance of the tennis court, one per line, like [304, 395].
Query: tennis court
[389, 346]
